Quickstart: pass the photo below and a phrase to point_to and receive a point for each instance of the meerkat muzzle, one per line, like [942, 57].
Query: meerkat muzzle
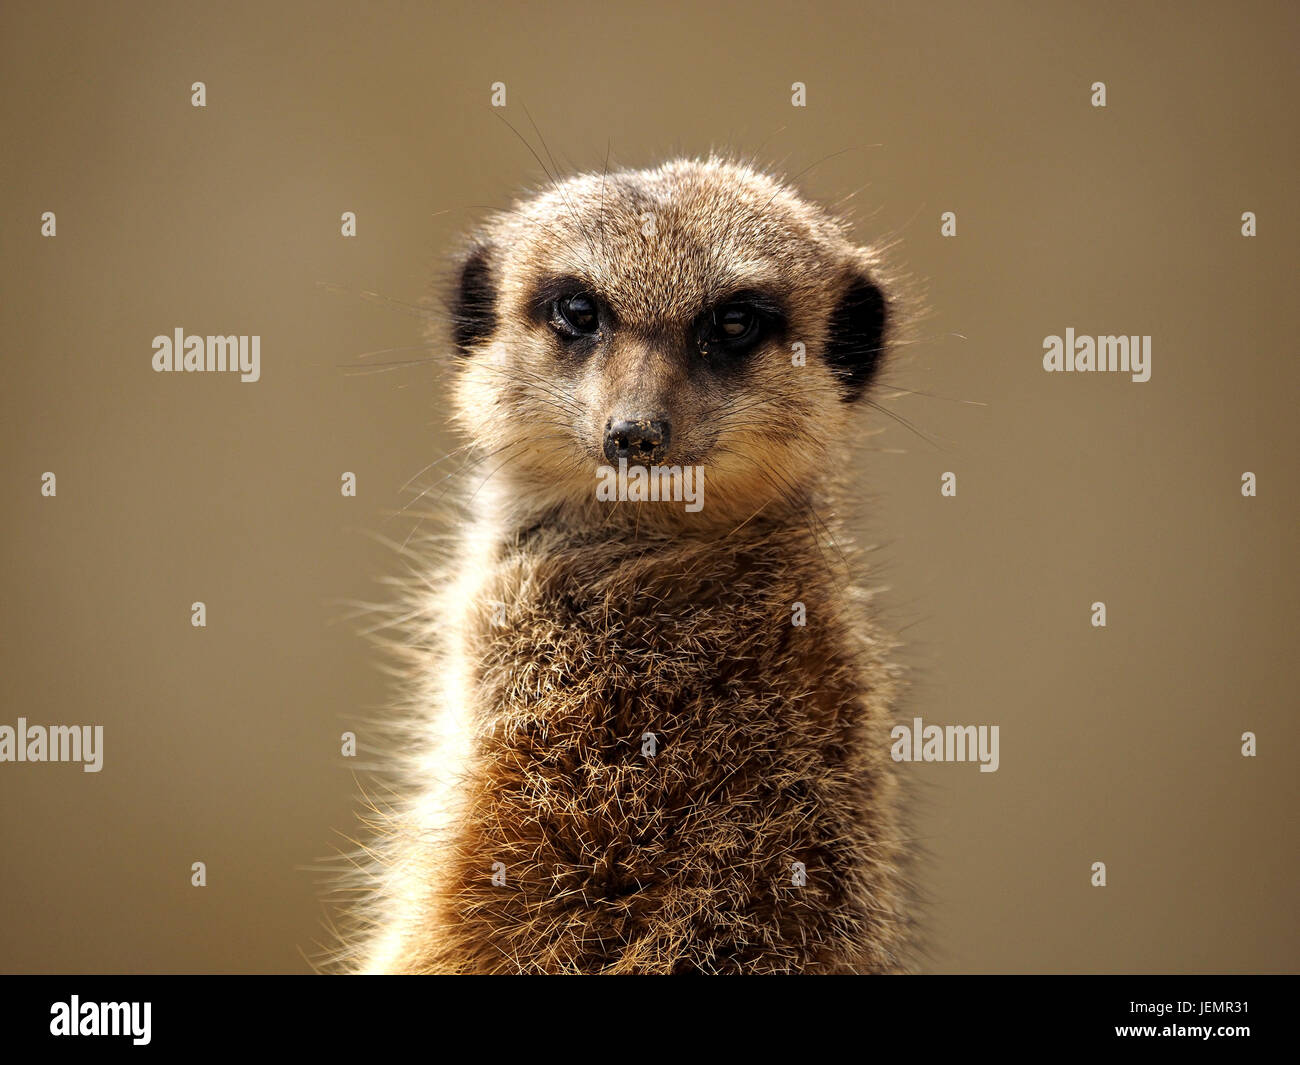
[638, 440]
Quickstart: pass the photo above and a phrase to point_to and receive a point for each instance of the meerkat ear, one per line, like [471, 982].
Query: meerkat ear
[855, 335]
[473, 300]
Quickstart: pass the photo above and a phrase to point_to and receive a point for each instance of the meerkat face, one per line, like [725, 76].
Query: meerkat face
[699, 314]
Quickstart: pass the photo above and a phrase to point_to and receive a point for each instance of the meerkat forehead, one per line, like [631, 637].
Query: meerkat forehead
[661, 244]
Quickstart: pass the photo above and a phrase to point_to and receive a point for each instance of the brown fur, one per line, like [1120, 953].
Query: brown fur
[524, 744]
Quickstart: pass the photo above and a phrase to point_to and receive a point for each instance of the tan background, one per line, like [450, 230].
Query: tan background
[1119, 745]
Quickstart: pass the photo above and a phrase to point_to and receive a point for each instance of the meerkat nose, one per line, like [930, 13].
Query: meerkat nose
[641, 440]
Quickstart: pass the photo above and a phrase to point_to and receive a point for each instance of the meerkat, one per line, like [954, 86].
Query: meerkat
[645, 738]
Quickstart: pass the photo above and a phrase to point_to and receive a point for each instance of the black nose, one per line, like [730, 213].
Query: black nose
[641, 441]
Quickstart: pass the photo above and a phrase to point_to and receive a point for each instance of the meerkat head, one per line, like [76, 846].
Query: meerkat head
[699, 314]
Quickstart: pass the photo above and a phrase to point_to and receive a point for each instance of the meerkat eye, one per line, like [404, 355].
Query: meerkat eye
[731, 327]
[576, 315]
[735, 322]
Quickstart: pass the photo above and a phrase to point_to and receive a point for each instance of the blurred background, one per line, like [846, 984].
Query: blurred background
[222, 744]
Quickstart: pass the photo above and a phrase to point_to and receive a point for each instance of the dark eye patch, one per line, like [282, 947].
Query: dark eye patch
[549, 291]
[734, 326]
[571, 308]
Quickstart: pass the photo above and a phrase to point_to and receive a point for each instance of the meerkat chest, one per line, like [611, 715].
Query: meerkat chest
[612, 716]
[660, 763]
